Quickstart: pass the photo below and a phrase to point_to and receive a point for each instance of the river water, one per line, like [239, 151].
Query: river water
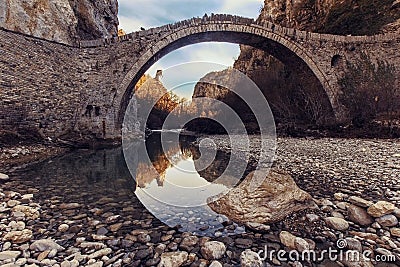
[171, 186]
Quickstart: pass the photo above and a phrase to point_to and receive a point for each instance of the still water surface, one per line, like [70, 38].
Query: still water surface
[86, 176]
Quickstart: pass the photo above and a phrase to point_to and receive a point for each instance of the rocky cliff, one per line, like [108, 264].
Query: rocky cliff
[362, 17]
[65, 21]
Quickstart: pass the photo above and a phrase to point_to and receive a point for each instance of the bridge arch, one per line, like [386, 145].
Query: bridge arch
[270, 38]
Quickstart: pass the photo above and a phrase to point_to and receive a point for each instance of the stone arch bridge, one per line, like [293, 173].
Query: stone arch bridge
[59, 91]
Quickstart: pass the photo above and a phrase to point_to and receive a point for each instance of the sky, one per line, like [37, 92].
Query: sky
[134, 14]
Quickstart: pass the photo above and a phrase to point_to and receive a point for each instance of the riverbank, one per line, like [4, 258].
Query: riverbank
[19, 156]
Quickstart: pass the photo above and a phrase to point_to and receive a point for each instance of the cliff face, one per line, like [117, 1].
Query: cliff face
[65, 21]
[362, 17]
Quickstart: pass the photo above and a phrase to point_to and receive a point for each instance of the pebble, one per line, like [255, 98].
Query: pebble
[381, 208]
[250, 258]
[6, 255]
[18, 237]
[4, 177]
[287, 239]
[358, 201]
[387, 220]
[395, 232]
[337, 223]
[173, 259]
[188, 242]
[100, 253]
[359, 215]
[45, 244]
[215, 264]
[63, 228]
[213, 250]
[301, 244]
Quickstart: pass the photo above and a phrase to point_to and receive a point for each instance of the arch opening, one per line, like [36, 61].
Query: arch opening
[307, 91]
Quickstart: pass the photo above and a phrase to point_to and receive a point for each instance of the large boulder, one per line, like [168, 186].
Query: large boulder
[276, 197]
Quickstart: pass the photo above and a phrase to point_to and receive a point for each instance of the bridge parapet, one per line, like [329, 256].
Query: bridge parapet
[229, 19]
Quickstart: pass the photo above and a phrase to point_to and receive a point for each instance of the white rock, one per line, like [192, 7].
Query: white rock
[213, 250]
[215, 264]
[100, 253]
[4, 177]
[7, 255]
[173, 259]
[63, 227]
[65, 264]
[249, 258]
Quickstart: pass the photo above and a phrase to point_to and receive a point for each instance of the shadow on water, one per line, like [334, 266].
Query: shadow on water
[97, 178]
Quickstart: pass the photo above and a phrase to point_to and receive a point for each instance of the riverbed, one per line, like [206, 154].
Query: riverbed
[88, 203]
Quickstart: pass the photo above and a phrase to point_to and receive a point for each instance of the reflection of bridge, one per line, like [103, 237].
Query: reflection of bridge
[57, 89]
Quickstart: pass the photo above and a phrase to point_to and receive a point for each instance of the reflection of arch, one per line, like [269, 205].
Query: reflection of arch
[277, 44]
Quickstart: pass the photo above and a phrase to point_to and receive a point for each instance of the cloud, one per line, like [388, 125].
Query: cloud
[152, 13]
[245, 8]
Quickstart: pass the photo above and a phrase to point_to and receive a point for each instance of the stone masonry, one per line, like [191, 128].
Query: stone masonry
[59, 91]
